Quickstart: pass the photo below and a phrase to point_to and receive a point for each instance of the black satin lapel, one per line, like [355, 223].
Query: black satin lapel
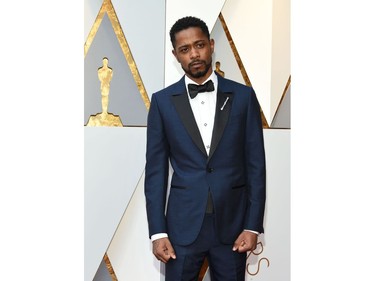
[181, 102]
[223, 108]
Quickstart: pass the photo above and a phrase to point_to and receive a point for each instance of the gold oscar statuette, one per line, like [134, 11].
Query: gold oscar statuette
[104, 118]
[218, 70]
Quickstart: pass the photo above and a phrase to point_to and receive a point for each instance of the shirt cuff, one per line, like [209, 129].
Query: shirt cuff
[253, 231]
[158, 236]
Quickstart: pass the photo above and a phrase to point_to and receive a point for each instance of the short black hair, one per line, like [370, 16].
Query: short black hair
[185, 23]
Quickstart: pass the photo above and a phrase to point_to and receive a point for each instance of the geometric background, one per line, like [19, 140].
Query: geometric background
[333, 69]
[252, 43]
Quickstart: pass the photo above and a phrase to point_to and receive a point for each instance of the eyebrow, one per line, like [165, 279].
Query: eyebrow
[195, 42]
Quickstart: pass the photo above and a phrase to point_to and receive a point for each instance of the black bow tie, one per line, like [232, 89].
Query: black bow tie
[195, 89]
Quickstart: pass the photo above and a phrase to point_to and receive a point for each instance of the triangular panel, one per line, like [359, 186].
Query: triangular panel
[282, 115]
[130, 250]
[124, 97]
[114, 163]
[250, 24]
[102, 274]
[91, 9]
[147, 47]
[224, 54]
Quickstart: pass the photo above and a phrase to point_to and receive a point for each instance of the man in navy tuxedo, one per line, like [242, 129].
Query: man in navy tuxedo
[209, 129]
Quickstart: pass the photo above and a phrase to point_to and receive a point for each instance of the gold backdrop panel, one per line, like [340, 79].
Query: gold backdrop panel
[107, 8]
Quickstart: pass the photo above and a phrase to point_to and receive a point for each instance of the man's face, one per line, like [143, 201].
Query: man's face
[194, 51]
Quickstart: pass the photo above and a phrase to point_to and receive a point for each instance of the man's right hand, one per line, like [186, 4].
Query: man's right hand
[163, 250]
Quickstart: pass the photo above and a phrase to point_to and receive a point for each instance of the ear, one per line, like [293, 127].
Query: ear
[212, 45]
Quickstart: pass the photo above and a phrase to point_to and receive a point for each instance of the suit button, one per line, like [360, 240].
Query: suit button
[210, 170]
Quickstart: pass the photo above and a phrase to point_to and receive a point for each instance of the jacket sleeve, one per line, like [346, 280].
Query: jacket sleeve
[157, 170]
[256, 166]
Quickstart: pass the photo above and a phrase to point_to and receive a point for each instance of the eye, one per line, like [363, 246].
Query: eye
[184, 50]
[200, 45]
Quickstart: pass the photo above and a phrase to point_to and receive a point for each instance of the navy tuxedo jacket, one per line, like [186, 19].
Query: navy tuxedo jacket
[234, 171]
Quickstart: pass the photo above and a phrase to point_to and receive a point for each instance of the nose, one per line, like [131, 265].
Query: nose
[194, 53]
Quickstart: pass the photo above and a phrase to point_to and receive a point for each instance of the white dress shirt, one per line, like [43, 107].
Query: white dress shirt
[204, 107]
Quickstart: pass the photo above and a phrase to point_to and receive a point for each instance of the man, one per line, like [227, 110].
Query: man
[214, 142]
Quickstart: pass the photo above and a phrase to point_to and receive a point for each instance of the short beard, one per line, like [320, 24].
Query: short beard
[199, 74]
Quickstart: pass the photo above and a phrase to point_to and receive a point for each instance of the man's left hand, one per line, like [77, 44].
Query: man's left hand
[246, 241]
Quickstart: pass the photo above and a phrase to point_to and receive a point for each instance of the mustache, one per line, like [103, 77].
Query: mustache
[197, 61]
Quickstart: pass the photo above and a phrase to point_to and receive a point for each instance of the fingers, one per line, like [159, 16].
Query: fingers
[241, 246]
[163, 250]
[246, 241]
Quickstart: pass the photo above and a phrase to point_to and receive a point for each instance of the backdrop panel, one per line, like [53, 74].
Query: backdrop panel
[114, 163]
[130, 251]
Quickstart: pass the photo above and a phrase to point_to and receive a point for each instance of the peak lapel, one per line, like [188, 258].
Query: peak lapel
[181, 102]
[223, 108]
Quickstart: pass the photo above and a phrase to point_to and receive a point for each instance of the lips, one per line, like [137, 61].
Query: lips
[196, 64]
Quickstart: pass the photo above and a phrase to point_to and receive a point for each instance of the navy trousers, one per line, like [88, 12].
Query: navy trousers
[224, 264]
